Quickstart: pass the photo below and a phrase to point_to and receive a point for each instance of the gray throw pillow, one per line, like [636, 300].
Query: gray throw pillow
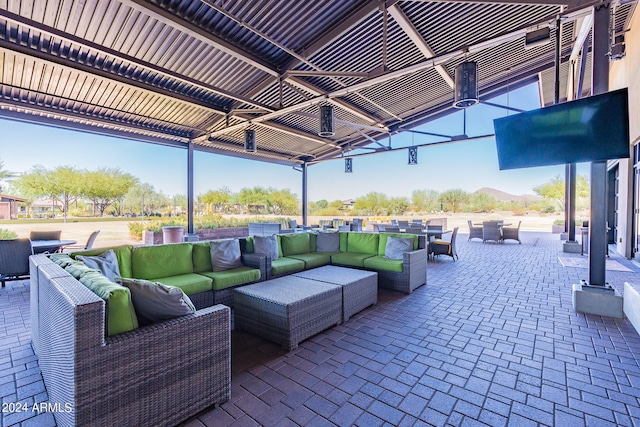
[267, 245]
[328, 242]
[225, 254]
[106, 262]
[396, 246]
[155, 301]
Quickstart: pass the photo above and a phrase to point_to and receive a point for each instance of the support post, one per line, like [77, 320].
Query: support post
[597, 224]
[190, 188]
[596, 296]
[304, 194]
[571, 201]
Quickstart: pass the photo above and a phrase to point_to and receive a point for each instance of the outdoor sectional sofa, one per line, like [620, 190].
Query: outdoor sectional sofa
[297, 252]
[103, 369]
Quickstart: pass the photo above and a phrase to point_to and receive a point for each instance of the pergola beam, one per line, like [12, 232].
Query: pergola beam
[410, 30]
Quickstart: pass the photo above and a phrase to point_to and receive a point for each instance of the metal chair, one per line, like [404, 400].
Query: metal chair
[491, 231]
[512, 233]
[474, 232]
[14, 259]
[90, 241]
[443, 247]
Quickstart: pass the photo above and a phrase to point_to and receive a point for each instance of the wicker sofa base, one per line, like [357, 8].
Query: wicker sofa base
[287, 310]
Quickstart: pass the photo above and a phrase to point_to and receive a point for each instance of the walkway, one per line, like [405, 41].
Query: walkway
[491, 340]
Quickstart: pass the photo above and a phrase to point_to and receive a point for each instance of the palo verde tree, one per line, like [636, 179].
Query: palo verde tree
[63, 183]
[453, 200]
[144, 198]
[554, 190]
[372, 203]
[106, 187]
[217, 199]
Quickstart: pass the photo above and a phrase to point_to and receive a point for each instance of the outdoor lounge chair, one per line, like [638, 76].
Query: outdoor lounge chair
[474, 232]
[512, 233]
[443, 247]
[14, 259]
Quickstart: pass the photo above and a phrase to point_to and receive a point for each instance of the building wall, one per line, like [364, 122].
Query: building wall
[623, 73]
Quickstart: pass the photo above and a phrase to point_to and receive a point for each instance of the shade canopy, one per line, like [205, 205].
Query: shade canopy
[175, 71]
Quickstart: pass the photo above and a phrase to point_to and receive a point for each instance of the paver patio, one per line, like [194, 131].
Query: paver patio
[492, 339]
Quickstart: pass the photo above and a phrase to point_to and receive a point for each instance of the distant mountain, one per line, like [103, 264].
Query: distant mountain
[506, 197]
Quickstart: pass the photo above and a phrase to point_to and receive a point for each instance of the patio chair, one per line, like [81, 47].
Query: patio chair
[474, 232]
[88, 245]
[327, 222]
[403, 224]
[394, 222]
[391, 229]
[443, 247]
[416, 223]
[379, 227]
[415, 230]
[433, 230]
[344, 228]
[356, 224]
[14, 259]
[512, 233]
[45, 235]
[491, 231]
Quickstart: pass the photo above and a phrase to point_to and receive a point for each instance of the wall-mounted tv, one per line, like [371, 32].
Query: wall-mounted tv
[585, 130]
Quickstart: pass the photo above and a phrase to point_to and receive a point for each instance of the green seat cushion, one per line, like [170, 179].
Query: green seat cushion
[362, 243]
[350, 259]
[78, 269]
[294, 244]
[153, 262]
[232, 277]
[119, 312]
[201, 257]
[286, 265]
[314, 259]
[379, 262]
[190, 283]
[384, 236]
[123, 253]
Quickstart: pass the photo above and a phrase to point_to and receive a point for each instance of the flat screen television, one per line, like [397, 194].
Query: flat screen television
[585, 130]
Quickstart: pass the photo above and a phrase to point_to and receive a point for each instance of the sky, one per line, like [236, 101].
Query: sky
[468, 165]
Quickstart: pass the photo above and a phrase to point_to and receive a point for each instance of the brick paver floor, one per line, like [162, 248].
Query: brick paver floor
[492, 339]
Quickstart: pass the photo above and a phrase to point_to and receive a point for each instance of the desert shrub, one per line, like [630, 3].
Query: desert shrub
[6, 234]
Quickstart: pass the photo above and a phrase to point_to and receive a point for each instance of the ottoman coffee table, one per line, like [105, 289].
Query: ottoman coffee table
[287, 309]
[359, 287]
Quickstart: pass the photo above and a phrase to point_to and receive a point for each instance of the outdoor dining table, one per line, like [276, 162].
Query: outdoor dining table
[41, 246]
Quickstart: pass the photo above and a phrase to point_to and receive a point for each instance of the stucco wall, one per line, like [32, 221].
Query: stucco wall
[623, 73]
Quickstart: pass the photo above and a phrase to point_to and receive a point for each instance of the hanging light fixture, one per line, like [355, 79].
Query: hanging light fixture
[413, 156]
[326, 121]
[250, 141]
[348, 165]
[466, 88]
